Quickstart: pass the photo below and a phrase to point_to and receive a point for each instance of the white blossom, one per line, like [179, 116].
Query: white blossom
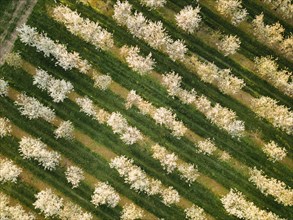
[279, 115]
[232, 9]
[236, 204]
[153, 4]
[33, 109]
[168, 160]
[65, 130]
[283, 7]
[86, 105]
[229, 44]
[274, 152]
[5, 127]
[13, 59]
[84, 28]
[3, 88]
[206, 147]
[105, 194]
[188, 18]
[71, 211]
[49, 203]
[31, 148]
[271, 186]
[102, 81]
[188, 172]
[138, 63]
[8, 171]
[170, 196]
[195, 213]
[74, 175]
[131, 212]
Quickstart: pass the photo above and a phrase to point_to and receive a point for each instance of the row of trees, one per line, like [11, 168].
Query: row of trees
[105, 194]
[153, 4]
[51, 205]
[162, 116]
[33, 109]
[74, 175]
[13, 212]
[273, 35]
[5, 127]
[128, 134]
[56, 88]
[283, 7]
[141, 182]
[67, 60]
[279, 115]
[135, 61]
[151, 32]
[268, 69]
[3, 88]
[88, 30]
[236, 204]
[195, 213]
[9, 172]
[232, 10]
[271, 186]
[221, 116]
[169, 161]
[274, 152]
[32, 148]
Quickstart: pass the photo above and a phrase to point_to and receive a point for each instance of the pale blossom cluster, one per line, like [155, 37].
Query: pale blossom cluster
[74, 175]
[48, 203]
[5, 127]
[226, 82]
[188, 18]
[283, 7]
[13, 59]
[195, 213]
[67, 60]
[268, 69]
[206, 146]
[102, 81]
[128, 134]
[53, 206]
[274, 152]
[221, 116]
[86, 29]
[268, 34]
[32, 148]
[135, 61]
[64, 130]
[233, 10]
[71, 211]
[8, 171]
[105, 194]
[172, 82]
[236, 204]
[153, 4]
[13, 212]
[279, 115]
[3, 88]
[58, 89]
[33, 109]
[169, 162]
[86, 106]
[161, 115]
[229, 44]
[153, 33]
[131, 212]
[271, 186]
[140, 182]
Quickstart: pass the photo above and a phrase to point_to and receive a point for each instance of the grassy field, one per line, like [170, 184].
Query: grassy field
[94, 152]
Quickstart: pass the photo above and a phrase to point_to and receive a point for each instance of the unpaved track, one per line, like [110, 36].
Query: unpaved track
[7, 45]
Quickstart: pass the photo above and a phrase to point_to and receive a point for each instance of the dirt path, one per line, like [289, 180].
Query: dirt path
[7, 45]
